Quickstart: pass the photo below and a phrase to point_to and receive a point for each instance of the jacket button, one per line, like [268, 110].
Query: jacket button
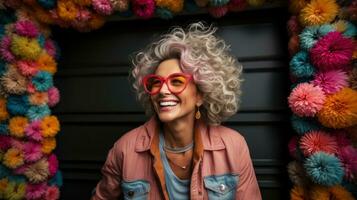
[131, 193]
[222, 187]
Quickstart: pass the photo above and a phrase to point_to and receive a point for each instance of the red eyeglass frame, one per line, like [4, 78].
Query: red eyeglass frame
[164, 81]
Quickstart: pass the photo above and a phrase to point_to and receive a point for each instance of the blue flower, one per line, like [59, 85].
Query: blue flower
[4, 129]
[311, 34]
[303, 124]
[38, 112]
[4, 171]
[17, 179]
[56, 180]
[300, 65]
[324, 169]
[17, 104]
[351, 30]
[42, 81]
[47, 4]
[41, 40]
[218, 2]
[164, 13]
[3, 67]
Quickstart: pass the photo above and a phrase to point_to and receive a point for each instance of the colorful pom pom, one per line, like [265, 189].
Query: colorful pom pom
[300, 65]
[315, 141]
[318, 12]
[331, 81]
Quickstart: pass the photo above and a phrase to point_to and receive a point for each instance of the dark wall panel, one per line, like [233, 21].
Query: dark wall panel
[98, 105]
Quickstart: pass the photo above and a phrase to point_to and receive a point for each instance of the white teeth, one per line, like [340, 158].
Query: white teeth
[168, 103]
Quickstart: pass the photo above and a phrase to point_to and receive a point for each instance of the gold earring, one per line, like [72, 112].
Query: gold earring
[198, 113]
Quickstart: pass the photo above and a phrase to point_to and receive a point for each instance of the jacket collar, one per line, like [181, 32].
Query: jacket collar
[210, 137]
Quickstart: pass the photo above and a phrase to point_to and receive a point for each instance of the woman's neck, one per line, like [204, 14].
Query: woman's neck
[179, 133]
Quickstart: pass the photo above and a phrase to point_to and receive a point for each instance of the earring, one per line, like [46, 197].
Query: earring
[198, 113]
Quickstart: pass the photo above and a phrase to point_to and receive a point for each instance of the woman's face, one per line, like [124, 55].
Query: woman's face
[170, 107]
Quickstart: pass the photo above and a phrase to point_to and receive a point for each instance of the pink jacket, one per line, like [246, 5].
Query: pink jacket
[222, 167]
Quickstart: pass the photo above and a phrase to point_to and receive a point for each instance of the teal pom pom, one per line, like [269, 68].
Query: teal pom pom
[17, 179]
[311, 34]
[218, 2]
[47, 4]
[3, 68]
[324, 169]
[303, 125]
[4, 171]
[300, 65]
[41, 40]
[17, 104]
[38, 112]
[4, 129]
[351, 30]
[190, 6]
[42, 81]
[164, 13]
[57, 179]
[2, 31]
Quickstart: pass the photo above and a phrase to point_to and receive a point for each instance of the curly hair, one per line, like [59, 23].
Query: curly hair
[216, 73]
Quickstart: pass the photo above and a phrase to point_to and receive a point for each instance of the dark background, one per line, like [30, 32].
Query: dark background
[98, 104]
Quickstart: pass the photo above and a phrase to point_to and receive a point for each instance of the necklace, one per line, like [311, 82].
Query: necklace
[185, 167]
[179, 149]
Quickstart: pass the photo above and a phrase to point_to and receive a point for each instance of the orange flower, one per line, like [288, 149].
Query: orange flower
[340, 193]
[17, 126]
[46, 63]
[42, 15]
[50, 126]
[297, 193]
[48, 145]
[3, 185]
[319, 192]
[96, 21]
[38, 98]
[67, 10]
[83, 2]
[173, 5]
[339, 109]
[296, 5]
[3, 111]
[319, 12]
[13, 158]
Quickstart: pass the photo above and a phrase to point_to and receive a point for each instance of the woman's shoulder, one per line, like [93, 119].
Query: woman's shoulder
[227, 133]
[128, 140]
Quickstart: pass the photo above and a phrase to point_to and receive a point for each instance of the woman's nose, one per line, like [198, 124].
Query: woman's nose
[164, 89]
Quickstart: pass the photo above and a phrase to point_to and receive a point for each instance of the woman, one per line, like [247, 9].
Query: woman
[189, 83]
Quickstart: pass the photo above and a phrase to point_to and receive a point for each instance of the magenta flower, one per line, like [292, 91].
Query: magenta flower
[52, 164]
[306, 100]
[26, 28]
[348, 157]
[5, 52]
[50, 47]
[331, 81]
[5, 142]
[36, 191]
[103, 7]
[333, 51]
[143, 8]
[292, 146]
[53, 96]
[27, 68]
[33, 131]
[218, 11]
[32, 151]
[52, 193]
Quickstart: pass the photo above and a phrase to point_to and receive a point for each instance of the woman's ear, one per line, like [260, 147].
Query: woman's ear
[199, 99]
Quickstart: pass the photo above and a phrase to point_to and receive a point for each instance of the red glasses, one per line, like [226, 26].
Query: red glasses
[176, 83]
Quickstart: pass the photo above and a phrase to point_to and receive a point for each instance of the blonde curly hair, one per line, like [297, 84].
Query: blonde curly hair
[216, 73]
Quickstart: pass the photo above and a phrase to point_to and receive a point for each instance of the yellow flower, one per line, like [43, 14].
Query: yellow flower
[17, 126]
[13, 158]
[340, 26]
[67, 10]
[48, 145]
[15, 191]
[339, 109]
[296, 5]
[50, 126]
[26, 48]
[3, 111]
[46, 63]
[318, 12]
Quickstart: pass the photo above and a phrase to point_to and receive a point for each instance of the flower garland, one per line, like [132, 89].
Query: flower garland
[323, 99]
[86, 15]
[28, 166]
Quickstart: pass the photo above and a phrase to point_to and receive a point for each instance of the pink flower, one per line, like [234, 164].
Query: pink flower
[306, 100]
[103, 7]
[26, 28]
[331, 81]
[5, 142]
[315, 141]
[143, 8]
[18, 144]
[294, 27]
[32, 151]
[292, 146]
[53, 96]
[84, 15]
[50, 47]
[348, 157]
[27, 68]
[31, 88]
[5, 52]
[33, 131]
[52, 193]
[52, 164]
[218, 11]
[21, 170]
[35, 191]
[333, 51]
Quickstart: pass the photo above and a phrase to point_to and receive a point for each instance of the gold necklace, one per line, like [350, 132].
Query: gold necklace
[185, 167]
